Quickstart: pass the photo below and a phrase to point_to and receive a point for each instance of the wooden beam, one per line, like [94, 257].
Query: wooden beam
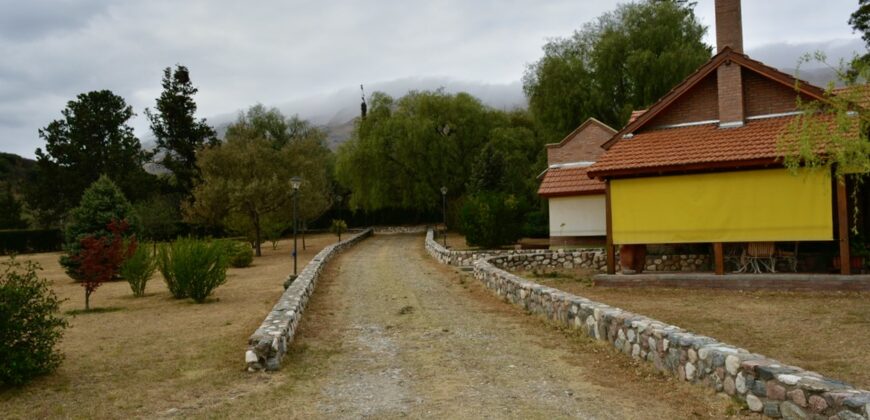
[611, 250]
[843, 226]
[719, 258]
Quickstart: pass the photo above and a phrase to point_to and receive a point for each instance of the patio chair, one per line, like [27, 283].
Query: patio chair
[761, 256]
[790, 256]
[737, 255]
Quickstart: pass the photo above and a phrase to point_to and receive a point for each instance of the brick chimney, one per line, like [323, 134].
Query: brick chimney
[729, 33]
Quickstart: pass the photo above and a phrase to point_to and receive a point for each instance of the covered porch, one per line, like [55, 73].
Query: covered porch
[755, 222]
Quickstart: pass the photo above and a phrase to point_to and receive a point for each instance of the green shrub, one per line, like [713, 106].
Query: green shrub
[338, 226]
[29, 326]
[491, 219]
[239, 254]
[166, 265]
[32, 240]
[193, 268]
[536, 224]
[139, 268]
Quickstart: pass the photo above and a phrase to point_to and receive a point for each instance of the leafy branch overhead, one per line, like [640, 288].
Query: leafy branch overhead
[833, 132]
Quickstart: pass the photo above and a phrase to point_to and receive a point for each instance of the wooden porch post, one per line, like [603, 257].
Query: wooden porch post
[719, 258]
[843, 226]
[610, 249]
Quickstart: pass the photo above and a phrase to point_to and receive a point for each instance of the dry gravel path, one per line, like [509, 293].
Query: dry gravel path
[390, 333]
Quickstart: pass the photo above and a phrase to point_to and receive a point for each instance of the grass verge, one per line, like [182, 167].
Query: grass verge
[820, 331]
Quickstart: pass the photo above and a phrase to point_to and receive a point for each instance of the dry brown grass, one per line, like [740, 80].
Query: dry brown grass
[820, 331]
[456, 241]
[156, 353]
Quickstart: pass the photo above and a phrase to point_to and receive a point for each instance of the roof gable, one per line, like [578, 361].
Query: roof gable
[726, 57]
[582, 144]
[583, 127]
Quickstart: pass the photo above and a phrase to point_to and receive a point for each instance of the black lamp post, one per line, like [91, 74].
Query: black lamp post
[295, 182]
[444, 212]
[338, 199]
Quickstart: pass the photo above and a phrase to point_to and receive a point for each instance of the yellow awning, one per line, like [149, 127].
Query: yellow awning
[743, 206]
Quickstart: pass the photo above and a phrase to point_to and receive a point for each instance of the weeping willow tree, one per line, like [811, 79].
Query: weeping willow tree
[245, 185]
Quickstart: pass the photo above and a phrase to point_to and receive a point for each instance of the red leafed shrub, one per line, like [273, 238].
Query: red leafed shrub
[101, 257]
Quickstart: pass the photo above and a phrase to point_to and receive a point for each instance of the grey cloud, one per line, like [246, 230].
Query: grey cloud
[32, 19]
[309, 57]
[785, 55]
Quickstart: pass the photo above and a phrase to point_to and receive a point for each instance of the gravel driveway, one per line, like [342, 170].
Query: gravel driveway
[391, 333]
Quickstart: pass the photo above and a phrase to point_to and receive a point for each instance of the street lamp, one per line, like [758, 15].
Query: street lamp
[444, 212]
[295, 182]
[338, 199]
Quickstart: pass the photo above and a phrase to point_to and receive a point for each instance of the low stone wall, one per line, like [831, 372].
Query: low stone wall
[267, 345]
[765, 385]
[536, 259]
[387, 230]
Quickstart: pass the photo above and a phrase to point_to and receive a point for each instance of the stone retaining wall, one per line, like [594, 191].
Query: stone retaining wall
[267, 346]
[765, 385]
[387, 230]
[536, 259]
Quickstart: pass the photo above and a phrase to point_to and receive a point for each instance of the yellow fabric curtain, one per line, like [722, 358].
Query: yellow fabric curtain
[743, 206]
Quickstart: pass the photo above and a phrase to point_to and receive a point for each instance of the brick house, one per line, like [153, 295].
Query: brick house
[701, 164]
[576, 202]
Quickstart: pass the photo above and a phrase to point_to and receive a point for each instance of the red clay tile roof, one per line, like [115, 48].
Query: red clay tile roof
[680, 148]
[859, 93]
[569, 181]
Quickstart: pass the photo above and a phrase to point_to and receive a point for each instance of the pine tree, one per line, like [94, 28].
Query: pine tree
[92, 139]
[180, 136]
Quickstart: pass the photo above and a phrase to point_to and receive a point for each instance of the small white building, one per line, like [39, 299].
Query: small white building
[577, 213]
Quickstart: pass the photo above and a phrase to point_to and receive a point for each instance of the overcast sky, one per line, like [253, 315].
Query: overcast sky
[277, 52]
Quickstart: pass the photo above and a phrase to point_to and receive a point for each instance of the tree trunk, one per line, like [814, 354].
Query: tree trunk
[87, 300]
[304, 228]
[257, 234]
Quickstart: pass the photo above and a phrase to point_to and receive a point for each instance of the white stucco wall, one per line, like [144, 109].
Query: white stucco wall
[583, 215]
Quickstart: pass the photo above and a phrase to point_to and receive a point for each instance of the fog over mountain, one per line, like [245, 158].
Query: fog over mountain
[336, 110]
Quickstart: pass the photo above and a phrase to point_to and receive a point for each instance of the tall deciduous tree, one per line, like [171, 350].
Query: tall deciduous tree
[10, 210]
[92, 139]
[405, 150]
[246, 180]
[624, 60]
[180, 136]
[860, 20]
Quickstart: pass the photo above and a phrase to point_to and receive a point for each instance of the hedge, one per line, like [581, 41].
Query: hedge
[33, 240]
